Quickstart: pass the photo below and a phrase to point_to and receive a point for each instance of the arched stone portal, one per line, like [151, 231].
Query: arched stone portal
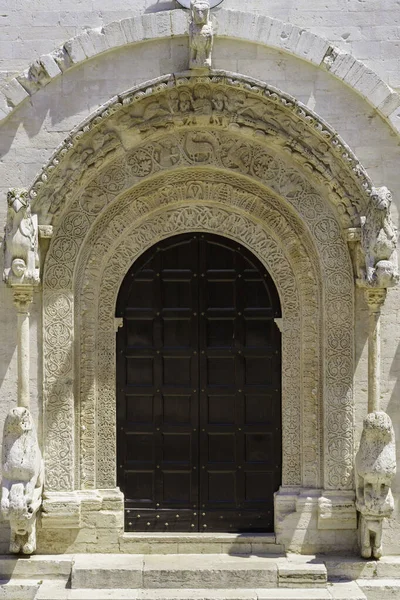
[221, 155]
[198, 398]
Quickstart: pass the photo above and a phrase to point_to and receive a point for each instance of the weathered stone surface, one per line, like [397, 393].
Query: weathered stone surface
[107, 571]
[298, 574]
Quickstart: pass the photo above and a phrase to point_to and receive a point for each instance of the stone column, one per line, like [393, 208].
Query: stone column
[23, 296]
[375, 299]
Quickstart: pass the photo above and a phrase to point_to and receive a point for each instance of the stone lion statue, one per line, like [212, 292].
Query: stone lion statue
[201, 35]
[379, 239]
[21, 259]
[375, 469]
[22, 479]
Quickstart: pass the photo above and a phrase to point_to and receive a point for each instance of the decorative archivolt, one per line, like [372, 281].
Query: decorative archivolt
[100, 217]
[194, 109]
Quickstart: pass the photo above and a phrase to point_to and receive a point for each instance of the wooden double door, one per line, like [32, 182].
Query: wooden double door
[198, 389]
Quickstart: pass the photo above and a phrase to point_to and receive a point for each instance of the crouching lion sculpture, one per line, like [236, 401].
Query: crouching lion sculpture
[375, 469]
[22, 483]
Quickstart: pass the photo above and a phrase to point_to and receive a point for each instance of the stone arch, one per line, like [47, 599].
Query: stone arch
[238, 25]
[287, 187]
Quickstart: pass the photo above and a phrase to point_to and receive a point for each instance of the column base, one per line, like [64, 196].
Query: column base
[309, 521]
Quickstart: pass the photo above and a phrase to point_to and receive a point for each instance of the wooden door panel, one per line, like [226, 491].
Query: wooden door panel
[198, 387]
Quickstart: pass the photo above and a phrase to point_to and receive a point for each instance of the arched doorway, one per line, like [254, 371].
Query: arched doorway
[198, 388]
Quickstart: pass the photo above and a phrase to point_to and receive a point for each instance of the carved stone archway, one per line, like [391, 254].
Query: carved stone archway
[214, 154]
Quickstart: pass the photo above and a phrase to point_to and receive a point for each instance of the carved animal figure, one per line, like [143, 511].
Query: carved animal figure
[379, 237]
[21, 260]
[201, 35]
[375, 469]
[200, 146]
[22, 479]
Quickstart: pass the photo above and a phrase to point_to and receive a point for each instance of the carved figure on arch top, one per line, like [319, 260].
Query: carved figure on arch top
[21, 258]
[375, 469]
[379, 240]
[201, 35]
[22, 479]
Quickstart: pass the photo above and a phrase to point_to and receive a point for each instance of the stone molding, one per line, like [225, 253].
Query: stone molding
[219, 101]
[247, 26]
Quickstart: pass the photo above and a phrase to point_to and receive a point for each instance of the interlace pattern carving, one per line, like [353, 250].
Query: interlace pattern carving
[159, 152]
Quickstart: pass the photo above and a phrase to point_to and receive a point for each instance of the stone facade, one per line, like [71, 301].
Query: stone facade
[287, 156]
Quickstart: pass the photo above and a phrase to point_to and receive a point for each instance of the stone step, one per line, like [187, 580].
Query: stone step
[380, 589]
[19, 589]
[35, 567]
[298, 574]
[202, 543]
[352, 568]
[193, 571]
[54, 590]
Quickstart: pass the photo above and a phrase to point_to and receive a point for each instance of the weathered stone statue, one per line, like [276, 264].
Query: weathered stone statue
[21, 259]
[22, 479]
[378, 239]
[375, 469]
[201, 35]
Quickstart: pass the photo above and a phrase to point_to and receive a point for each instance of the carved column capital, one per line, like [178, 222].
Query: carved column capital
[22, 296]
[375, 298]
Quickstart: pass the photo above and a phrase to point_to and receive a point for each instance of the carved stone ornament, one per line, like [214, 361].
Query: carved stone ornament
[378, 242]
[22, 479]
[375, 470]
[21, 259]
[209, 154]
[201, 35]
[187, 3]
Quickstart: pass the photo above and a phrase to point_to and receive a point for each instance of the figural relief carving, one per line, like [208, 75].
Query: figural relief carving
[21, 258]
[201, 35]
[375, 470]
[379, 241]
[22, 479]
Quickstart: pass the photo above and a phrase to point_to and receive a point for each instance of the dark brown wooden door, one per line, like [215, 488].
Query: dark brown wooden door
[198, 389]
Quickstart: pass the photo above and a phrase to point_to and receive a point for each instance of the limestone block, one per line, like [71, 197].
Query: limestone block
[337, 511]
[346, 590]
[112, 499]
[312, 47]
[50, 65]
[299, 574]
[391, 103]
[339, 63]
[209, 572]
[5, 108]
[179, 23]
[114, 34]
[75, 51]
[61, 510]
[107, 571]
[104, 519]
[132, 29]
[90, 501]
[14, 92]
